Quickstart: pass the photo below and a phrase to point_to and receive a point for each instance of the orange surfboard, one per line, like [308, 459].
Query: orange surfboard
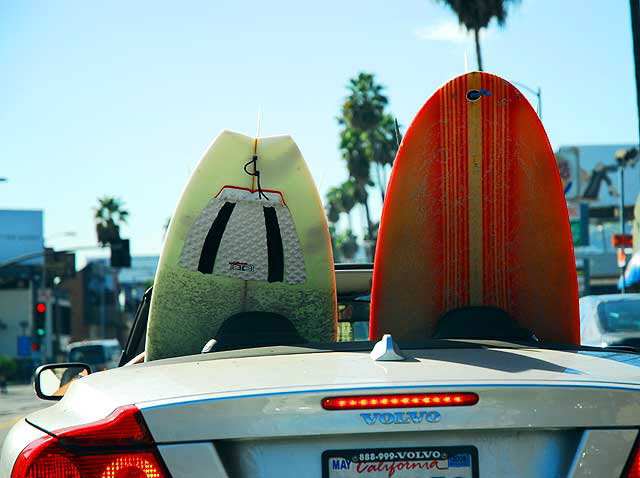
[475, 215]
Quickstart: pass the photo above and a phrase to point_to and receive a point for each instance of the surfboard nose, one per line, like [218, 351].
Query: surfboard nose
[242, 242]
[475, 215]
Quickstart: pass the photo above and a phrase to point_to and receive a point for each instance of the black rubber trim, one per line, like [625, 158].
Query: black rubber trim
[214, 236]
[275, 253]
[353, 267]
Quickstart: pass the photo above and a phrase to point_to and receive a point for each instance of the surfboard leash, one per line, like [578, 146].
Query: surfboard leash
[255, 174]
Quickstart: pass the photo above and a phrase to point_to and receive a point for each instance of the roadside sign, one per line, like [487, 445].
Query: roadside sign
[575, 233]
[579, 221]
[584, 278]
[45, 294]
[622, 240]
[24, 346]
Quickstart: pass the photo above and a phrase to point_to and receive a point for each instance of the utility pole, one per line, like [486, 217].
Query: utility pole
[103, 302]
[624, 157]
[635, 32]
[44, 291]
[624, 264]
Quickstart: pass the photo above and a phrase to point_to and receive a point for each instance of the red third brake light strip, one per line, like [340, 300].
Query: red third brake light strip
[407, 400]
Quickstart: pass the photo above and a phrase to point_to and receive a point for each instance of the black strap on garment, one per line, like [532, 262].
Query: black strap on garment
[275, 253]
[214, 236]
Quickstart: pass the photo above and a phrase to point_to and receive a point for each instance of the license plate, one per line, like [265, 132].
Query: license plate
[415, 462]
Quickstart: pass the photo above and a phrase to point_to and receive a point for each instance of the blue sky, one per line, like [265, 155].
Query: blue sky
[122, 98]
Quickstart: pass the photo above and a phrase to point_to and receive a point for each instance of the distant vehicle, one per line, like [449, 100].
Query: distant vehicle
[99, 354]
[610, 320]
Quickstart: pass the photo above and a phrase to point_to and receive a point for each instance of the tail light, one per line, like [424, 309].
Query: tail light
[119, 446]
[409, 400]
[632, 470]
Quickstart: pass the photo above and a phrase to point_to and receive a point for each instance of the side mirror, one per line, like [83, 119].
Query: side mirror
[52, 380]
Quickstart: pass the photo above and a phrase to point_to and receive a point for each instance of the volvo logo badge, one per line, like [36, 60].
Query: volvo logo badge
[401, 418]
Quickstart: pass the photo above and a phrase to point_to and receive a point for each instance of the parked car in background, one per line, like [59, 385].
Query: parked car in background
[610, 320]
[99, 354]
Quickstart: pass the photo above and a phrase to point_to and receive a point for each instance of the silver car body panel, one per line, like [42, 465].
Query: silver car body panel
[595, 445]
[189, 460]
[249, 415]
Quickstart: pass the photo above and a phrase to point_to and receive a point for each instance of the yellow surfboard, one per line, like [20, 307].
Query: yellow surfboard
[249, 234]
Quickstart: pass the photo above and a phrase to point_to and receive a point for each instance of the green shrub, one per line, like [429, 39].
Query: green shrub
[8, 367]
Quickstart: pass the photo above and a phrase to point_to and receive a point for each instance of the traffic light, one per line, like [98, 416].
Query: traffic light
[39, 320]
[120, 256]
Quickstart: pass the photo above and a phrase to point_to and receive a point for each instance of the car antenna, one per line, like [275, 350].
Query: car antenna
[38, 427]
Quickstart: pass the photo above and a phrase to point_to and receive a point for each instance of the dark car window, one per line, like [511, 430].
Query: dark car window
[620, 316]
[90, 354]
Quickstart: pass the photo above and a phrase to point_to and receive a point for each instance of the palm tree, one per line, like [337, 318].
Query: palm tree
[348, 198]
[341, 199]
[367, 138]
[384, 141]
[475, 15]
[109, 215]
[347, 244]
[354, 152]
[337, 257]
[364, 107]
[333, 204]
[369, 128]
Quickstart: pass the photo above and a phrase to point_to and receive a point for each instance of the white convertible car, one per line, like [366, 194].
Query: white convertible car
[452, 407]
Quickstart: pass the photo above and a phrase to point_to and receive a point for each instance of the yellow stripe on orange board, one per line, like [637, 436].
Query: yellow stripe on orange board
[474, 141]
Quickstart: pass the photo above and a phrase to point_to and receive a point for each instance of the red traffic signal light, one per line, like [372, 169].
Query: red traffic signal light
[35, 347]
[40, 319]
